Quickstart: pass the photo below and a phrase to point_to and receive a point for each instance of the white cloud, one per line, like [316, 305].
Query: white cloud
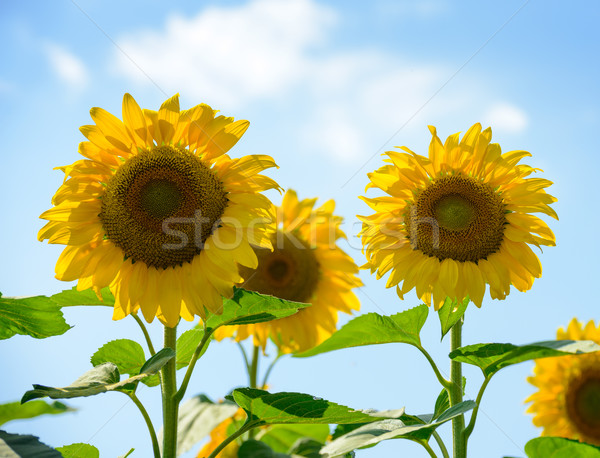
[506, 117]
[347, 104]
[67, 67]
[235, 54]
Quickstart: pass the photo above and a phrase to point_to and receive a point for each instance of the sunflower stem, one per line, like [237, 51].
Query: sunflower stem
[144, 412]
[269, 369]
[441, 444]
[459, 446]
[254, 367]
[170, 405]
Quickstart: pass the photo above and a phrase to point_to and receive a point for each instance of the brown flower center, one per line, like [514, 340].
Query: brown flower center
[456, 217]
[583, 403]
[290, 271]
[161, 206]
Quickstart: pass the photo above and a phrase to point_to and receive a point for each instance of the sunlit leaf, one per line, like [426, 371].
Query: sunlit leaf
[451, 312]
[79, 450]
[17, 411]
[37, 316]
[72, 297]
[558, 447]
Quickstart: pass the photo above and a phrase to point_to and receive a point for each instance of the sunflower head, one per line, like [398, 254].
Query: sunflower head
[158, 212]
[457, 220]
[305, 265]
[567, 400]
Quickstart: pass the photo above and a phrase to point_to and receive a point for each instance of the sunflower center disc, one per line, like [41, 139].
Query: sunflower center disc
[456, 217]
[161, 206]
[290, 271]
[583, 403]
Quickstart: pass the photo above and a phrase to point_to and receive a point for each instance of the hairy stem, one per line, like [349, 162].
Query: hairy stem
[145, 331]
[469, 429]
[456, 394]
[170, 405]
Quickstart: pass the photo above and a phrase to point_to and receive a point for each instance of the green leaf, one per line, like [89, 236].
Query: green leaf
[186, 346]
[198, 416]
[371, 329]
[72, 297]
[101, 379]
[17, 411]
[255, 449]
[442, 402]
[79, 450]
[373, 433]
[451, 312]
[306, 447]
[38, 317]
[246, 307]
[281, 408]
[282, 437]
[558, 447]
[127, 355]
[490, 358]
[16, 445]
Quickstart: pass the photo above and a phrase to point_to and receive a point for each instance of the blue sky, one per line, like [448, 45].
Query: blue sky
[327, 87]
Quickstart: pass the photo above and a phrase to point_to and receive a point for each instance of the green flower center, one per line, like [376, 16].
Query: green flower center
[454, 212]
[290, 271]
[161, 205]
[583, 403]
[456, 217]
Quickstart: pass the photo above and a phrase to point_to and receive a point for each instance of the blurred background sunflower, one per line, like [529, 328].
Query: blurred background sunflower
[158, 211]
[457, 220]
[567, 400]
[306, 265]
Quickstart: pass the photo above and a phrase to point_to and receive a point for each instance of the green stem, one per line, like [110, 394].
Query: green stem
[456, 394]
[469, 429]
[427, 447]
[145, 331]
[444, 382]
[170, 406]
[188, 373]
[441, 444]
[254, 367]
[270, 368]
[246, 427]
[241, 347]
[149, 424]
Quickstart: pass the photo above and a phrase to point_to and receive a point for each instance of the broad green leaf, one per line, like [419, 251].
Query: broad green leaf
[72, 297]
[306, 447]
[100, 379]
[255, 449]
[79, 450]
[198, 416]
[17, 446]
[558, 447]
[451, 312]
[373, 433]
[38, 317]
[127, 355]
[490, 358]
[281, 408]
[246, 307]
[17, 411]
[371, 329]
[186, 346]
[282, 437]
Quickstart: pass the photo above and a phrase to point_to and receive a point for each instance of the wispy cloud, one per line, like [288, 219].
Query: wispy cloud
[347, 102]
[506, 117]
[69, 68]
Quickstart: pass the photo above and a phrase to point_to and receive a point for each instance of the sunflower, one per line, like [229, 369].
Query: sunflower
[457, 220]
[567, 403]
[222, 432]
[158, 212]
[305, 265]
